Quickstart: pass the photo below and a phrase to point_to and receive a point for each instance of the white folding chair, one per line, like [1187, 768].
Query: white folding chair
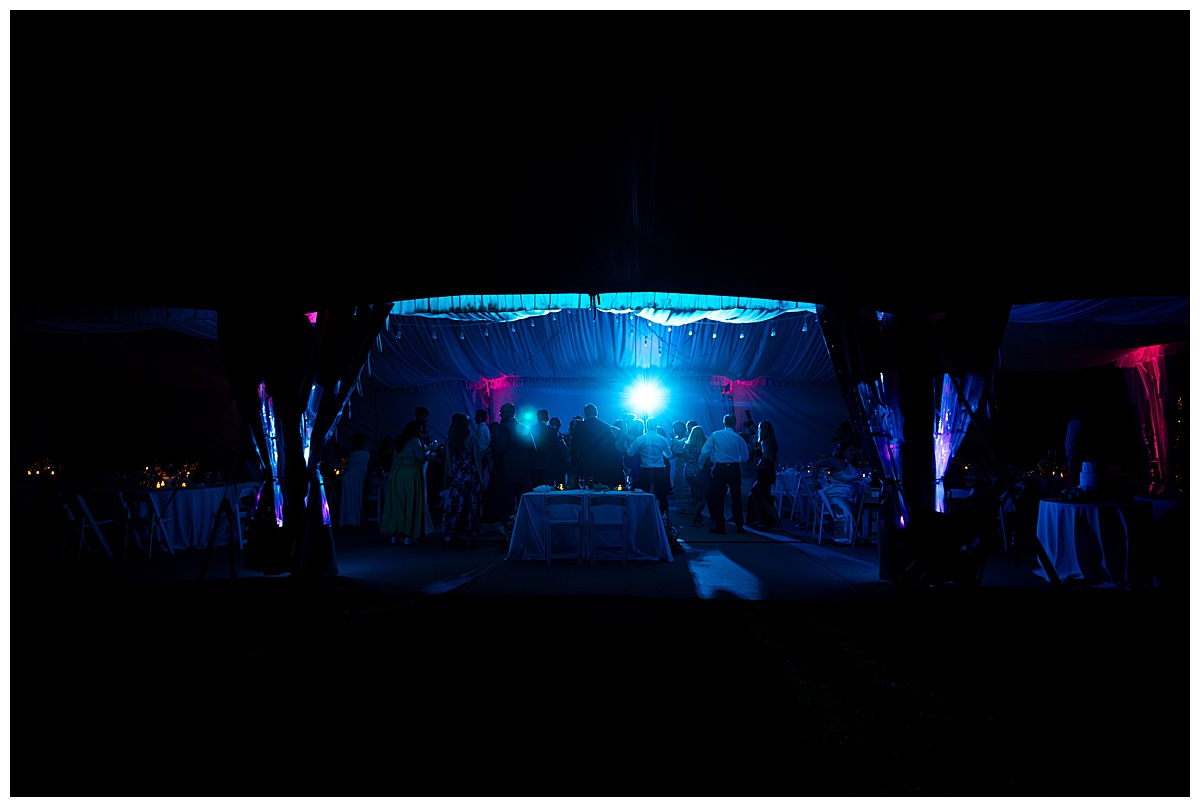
[79, 520]
[836, 517]
[243, 506]
[613, 519]
[145, 520]
[786, 487]
[567, 512]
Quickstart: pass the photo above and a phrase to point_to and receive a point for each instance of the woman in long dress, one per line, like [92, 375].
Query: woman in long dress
[354, 477]
[404, 512]
[463, 510]
[760, 507]
[696, 476]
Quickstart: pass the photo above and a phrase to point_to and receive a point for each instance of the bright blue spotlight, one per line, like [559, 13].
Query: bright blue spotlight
[646, 397]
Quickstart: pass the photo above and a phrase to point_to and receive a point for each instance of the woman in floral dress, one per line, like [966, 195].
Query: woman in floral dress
[697, 477]
[463, 510]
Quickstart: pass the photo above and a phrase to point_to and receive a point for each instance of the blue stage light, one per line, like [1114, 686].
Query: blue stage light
[647, 397]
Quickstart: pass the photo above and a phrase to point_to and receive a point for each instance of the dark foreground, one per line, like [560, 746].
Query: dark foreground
[508, 685]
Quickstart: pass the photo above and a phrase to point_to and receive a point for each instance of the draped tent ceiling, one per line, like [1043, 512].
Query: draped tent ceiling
[1042, 337]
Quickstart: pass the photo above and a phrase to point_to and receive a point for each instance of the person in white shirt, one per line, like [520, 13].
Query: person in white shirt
[654, 450]
[727, 450]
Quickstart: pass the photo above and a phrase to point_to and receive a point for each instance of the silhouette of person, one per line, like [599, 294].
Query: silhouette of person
[354, 478]
[727, 450]
[512, 446]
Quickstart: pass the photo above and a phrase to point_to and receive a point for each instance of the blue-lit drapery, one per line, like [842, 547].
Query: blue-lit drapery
[950, 425]
[881, 408]
[295, 369]
[414, 351]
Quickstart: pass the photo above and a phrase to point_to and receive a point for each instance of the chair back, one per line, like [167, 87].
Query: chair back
[564, 525]
[836, 515]
[608, 515]
[78, 513]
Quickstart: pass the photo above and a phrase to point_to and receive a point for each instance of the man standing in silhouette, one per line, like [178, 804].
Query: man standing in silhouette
[727, 450]
[511, 451]
[594, 450]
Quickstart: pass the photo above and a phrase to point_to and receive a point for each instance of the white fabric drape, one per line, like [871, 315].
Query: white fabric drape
[950, 426]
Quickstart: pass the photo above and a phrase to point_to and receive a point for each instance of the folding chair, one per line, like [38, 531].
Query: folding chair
[243, 507]
[836, 517]
[144, 519]
[79, 520]
[568, 512]
[608, 506]
[784, 489]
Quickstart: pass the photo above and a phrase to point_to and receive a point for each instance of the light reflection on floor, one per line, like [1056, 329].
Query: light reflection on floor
[717, 577]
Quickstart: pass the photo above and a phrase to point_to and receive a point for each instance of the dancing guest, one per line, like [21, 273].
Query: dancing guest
[354, 478]
[696, 474]
[726, 449]
[654, 449]
[512, 446]
[463, 511]
[545, 458]
[404, 506]
[760, 506]
[593, 450]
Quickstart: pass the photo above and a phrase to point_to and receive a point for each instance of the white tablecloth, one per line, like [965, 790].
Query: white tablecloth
[193, 512]
[647, 533]
[1100, 544]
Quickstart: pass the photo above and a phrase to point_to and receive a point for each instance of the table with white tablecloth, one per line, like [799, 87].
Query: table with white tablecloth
[648, 534]
[1098, 543]
[190, 513]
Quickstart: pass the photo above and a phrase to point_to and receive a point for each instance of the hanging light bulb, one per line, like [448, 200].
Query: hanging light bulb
[462, 333]
[485, 330]
[532, 323]
[772, 330]
[714, 333]
[435, 333]
[804, 327]
[512, 328]
[554, 317]
[689, 330]
[398, 334]
[741, 334]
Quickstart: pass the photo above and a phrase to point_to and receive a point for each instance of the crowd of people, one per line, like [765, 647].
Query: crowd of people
[477, 477]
